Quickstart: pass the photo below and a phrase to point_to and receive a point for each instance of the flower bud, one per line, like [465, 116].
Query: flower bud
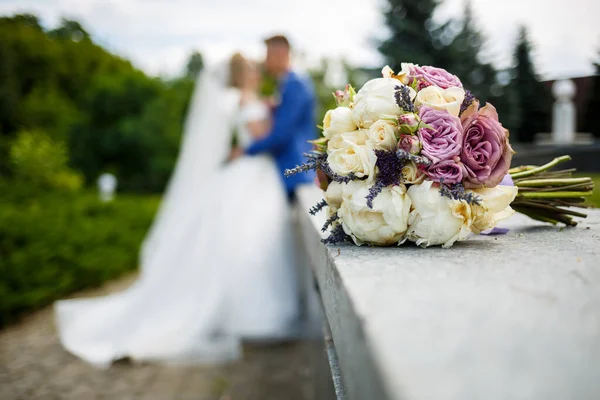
[410, 144]
[343, 98]
[408, 123]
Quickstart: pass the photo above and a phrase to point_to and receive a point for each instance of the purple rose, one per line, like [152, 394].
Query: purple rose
[410, 144]
[449, 171]
[486, 153]
[442, 137]
[428, 76]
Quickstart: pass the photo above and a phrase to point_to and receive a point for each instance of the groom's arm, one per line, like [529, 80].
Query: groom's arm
[286, 117]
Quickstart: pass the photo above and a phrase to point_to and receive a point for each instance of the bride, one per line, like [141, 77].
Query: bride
[218, 264]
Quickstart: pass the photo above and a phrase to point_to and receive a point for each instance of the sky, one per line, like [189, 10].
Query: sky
[159, 35]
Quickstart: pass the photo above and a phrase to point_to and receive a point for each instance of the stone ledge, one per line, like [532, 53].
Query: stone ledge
[515, 316]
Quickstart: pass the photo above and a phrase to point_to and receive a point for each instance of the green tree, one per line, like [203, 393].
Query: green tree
[42, 162]
[47, 108]
[532, 97]
[70, 30]
[413, 36]
[111, 115]
[464, 51]
[592, 122]
[194, 65]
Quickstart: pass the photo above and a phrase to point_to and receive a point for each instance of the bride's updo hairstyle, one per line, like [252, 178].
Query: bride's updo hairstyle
[237, 69]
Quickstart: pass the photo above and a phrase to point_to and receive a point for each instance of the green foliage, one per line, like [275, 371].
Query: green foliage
[464, 52]
[521, 100]
[70, 30]
[532, 97]
[47, 109]
[194, 65]
[62, 83]
[268, 85]
[592, 121]
[323, 92]
[413, 37]
[68, 109]
[54, 243]
[42, 162]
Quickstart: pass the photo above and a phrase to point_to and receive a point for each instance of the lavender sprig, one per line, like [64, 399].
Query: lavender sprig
[457, 192]
[469, 99]
[402, 96]
[374, 192]
[313, 162]
[317, 161]
[337, 235]
[330, 221]
[318, 207]
[390, 173]
[338, 178]
[404, 155]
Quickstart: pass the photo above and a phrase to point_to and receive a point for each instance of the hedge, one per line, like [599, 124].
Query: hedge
[55, 243]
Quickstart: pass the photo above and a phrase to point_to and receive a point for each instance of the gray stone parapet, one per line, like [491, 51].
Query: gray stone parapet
[513, 316]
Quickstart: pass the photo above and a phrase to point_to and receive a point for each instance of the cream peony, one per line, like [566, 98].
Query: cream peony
[382, 135]
[494, 206]
[333, 196]
[412, 174]
[383, 225]
[376, 100]
[435, 219]
[353, 158]
[441, 99]
[402, 76]
[337, 121]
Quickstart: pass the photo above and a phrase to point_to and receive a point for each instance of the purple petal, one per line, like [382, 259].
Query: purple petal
[507, 181]
[495, 231]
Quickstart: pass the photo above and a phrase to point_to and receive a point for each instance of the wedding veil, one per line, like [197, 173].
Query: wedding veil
[205, 146]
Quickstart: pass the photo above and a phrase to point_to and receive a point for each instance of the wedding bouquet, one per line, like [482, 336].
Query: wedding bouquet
[411, 156]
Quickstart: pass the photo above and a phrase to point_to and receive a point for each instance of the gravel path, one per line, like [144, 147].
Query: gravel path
[33, 365]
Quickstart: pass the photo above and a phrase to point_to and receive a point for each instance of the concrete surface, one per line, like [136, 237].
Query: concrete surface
[33, 365]
[513, 316]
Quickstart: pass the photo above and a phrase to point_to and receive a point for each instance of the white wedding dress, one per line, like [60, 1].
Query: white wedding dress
[218, 264]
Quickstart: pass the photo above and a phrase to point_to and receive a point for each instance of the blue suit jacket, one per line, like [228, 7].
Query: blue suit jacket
[293, 127]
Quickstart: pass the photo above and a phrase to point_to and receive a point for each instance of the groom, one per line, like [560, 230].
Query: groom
[294, 118]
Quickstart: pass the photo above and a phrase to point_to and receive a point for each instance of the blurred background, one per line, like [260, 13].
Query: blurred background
[89, 87]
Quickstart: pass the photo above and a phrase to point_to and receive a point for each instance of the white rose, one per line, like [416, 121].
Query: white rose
[436, 219]
[441, 99]
[384, 224]
[333, 196]
[337, 121]
[494, 206]
[412, 174]
[337, 142]
[353, 158]
[383, 135]
[375, 100]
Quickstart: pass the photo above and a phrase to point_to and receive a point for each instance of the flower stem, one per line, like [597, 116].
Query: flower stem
[543, 168]
[550, 208]
[544, 215]
[552, 182]
[550, 195]
[521, 169]
[533, 215]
